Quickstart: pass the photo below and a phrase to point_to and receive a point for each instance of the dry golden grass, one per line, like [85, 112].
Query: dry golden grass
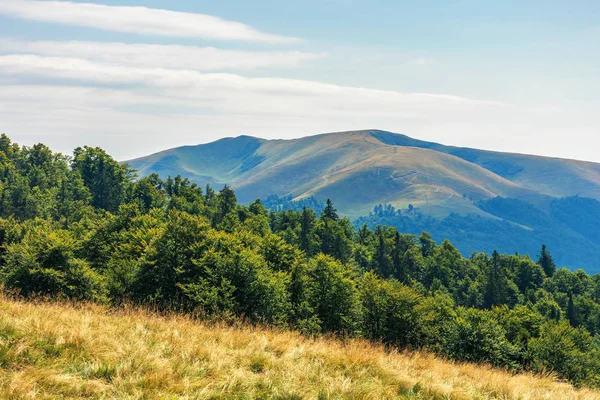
[52, 350]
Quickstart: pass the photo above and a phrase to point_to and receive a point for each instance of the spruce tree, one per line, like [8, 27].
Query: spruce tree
[382, 265]
[397, 259]
[572, 313]
[427, 244]
[546, 262]
[494, 292]
[307, 227]
[329, 211]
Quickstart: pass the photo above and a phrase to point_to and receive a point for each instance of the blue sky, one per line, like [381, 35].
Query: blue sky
[133, 78]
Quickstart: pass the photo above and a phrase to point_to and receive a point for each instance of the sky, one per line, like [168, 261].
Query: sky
[139, 76]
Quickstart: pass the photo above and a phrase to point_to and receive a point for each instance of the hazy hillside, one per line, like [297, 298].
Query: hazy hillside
[56, 350]
[365, 168]
[570, 229]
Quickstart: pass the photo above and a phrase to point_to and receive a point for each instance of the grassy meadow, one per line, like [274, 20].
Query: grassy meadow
[61, 350]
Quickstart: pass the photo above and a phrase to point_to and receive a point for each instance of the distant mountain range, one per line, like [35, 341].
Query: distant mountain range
[362, 169]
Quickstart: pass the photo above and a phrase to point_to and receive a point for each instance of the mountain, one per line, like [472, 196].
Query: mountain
[362, 169]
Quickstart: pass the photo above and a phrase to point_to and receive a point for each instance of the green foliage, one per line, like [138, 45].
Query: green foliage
[227, 278]
[546, 262]
[171, 257]
[520, 227]
[476, 336]
[569, 352]
[44, 262]
[332, 292]
[106, 179]
[389, 310]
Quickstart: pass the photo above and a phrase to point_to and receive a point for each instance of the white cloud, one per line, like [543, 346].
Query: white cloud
[160, 56]
[194, 83]
[139, 20]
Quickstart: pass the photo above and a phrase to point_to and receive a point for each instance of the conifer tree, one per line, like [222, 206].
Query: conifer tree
[494, 288]
[329, 211]
[307, 227]
[572, 312]
[546, 261]
[381, 259]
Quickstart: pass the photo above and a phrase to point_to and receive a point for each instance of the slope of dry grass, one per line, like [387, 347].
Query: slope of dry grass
[62, 351]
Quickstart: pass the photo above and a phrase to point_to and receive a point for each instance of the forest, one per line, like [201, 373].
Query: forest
[85, 227]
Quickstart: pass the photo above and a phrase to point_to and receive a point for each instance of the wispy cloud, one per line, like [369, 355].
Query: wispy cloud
[139, 20]
[195, 82]
[160, 56]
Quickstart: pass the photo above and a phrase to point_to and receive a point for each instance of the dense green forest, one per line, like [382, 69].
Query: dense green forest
[85, 227]
[570, 226]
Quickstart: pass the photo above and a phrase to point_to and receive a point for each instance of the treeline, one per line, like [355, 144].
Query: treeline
[84, 227]
[277, 203]
[569, 226]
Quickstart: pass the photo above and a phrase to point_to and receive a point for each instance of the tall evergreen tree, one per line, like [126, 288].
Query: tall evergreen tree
[572, 312]
[330, 211]
[364, 234]
[397, 254]
[307, 231]
[494, 288]
[427, 244]
[381, 258]
[210, 194]
[546, 261]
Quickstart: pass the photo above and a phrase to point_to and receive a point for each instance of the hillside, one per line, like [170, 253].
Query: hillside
[364, 168]
[64, 351]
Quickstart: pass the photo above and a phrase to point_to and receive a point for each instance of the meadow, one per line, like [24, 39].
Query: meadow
[51, 350]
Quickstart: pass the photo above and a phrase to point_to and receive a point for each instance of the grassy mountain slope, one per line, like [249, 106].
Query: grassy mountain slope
[63, 351]
[219, 162]
[552, 176]
[364, 168]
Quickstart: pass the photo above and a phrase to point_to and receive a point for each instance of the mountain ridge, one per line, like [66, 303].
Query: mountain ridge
[414, 171]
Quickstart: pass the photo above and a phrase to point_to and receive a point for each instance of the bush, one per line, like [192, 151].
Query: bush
[332, 293]
[477, 336]
[570, 352]
[44, 263]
